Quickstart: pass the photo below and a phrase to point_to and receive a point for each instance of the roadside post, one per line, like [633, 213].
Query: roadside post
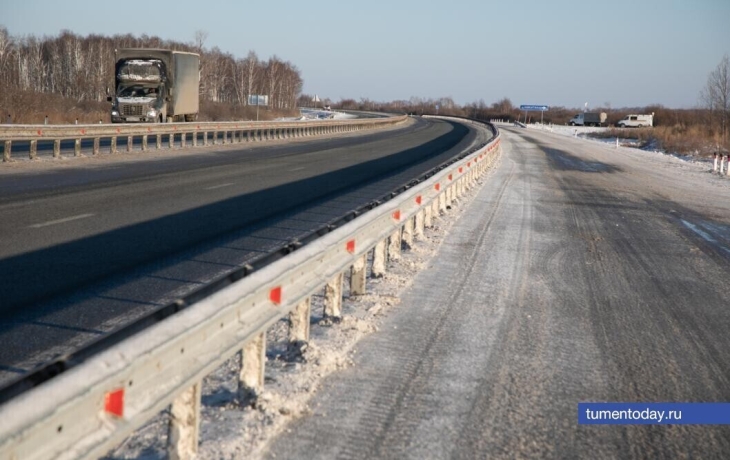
[257, 100]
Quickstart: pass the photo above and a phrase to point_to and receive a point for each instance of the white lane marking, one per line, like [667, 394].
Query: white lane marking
[218, 186]
[297, 169]
[60, 221]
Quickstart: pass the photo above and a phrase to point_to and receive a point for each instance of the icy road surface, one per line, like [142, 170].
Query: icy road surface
[580, 272]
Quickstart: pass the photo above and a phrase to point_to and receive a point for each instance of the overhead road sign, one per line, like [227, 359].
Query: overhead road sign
[541, 108]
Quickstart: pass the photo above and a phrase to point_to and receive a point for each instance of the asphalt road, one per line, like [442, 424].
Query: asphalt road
[90, 244]
[578, 274]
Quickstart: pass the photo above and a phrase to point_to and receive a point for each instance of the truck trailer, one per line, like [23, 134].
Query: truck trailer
[589, 119]
[155, 86]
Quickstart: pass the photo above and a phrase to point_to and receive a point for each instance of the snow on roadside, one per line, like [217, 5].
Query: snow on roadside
[318, 114]
[231, 431]
[581, 132]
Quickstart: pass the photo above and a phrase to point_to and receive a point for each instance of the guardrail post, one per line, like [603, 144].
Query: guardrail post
[394, 243]
[428, 215]
[299, 325]
[144, 142]
[7, 150]
[722, 164]
[408, 232]
[442, 203]
[420, 215]
[379, 254]
[183, 140]
[251, 377]
[714, 168]
[333, 298]
[728, 165]
[57, 148]
[130, 143]
[171, 141]
[195, 139]
[183, 430]
[33, 151]
[358, 276]
[97, 141]
[77, 147]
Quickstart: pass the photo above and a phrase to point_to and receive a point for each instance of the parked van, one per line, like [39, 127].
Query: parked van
[636, 121]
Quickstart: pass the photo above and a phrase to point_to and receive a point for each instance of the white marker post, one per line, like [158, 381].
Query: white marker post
[714, 169]
[722, 164]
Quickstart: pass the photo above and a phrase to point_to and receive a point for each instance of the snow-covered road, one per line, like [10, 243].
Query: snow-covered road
[571, 277]
[577, 272]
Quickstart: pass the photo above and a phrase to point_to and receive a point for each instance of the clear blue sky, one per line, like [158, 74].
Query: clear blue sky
[622, 52]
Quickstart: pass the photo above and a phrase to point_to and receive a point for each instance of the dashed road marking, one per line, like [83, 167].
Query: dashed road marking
[218, 186]
[60, 221]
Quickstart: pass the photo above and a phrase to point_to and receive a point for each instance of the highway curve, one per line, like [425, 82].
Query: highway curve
[580, 273]
[88, 245]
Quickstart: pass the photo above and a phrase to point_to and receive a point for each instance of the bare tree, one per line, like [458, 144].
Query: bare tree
[716, 95]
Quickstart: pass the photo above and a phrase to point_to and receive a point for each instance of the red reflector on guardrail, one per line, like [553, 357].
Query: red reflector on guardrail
[396, 215]
[419, 199]
[275, 295]
[451, 177]
[351, 246]
[114, 402]
[437, 187]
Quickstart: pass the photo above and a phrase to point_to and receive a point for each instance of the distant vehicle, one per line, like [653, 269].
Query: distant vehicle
[589, 119]
[155, 85]
[636, 121]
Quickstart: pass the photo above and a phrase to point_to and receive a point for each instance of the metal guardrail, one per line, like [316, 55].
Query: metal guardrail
[88, 410]
[171, 135]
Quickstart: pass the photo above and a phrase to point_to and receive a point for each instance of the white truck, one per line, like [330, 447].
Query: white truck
[155, 85]
[589, 119]
[636, 121]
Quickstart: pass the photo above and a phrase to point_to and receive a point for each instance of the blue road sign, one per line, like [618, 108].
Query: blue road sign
[540, 108]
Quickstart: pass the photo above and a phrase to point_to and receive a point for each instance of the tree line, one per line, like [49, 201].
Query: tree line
[81, 68]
